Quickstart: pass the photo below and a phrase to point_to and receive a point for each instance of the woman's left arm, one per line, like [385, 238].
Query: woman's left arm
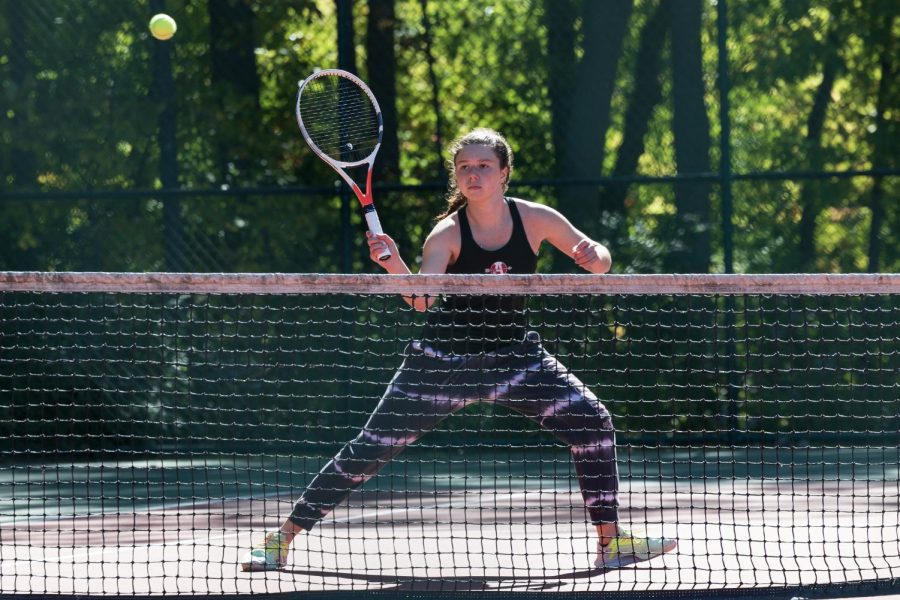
[545, 223]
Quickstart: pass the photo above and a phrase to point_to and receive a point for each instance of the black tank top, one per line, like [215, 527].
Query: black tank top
[477, 324]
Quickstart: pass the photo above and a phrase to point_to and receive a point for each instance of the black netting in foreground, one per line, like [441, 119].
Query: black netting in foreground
[154, 427]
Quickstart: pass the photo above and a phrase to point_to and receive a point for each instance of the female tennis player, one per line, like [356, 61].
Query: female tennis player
[478, 349]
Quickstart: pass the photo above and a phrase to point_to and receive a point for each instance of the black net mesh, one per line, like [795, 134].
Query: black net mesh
[150, 439]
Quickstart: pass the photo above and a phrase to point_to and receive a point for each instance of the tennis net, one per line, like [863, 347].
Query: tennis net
[156, 426]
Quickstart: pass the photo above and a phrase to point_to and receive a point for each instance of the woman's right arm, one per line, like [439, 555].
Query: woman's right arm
[436, 255]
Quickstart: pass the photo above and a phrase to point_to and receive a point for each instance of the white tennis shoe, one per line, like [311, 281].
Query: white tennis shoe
[271, 555]
[626, 549]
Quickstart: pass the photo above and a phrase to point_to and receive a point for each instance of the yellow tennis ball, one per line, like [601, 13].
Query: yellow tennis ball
[162, 26]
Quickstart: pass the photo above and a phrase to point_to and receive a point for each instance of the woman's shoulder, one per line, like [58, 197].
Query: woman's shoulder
[442, 245]
[446, 230]
[451, 221]
[540, 221]
[531, 209]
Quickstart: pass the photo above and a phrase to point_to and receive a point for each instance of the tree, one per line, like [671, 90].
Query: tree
[811, 194]
[382, 78]
[643, 100]
[17, 160]
[438, 137]
[690, 125]
[559, 20]
[881, 144]
[233, 54]
[581, 88]
[605, 25]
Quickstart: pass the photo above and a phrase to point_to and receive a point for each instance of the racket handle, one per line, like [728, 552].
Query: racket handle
[375, 227]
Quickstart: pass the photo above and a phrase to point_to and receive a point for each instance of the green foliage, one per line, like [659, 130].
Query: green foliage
[776, 69]
[85, 122]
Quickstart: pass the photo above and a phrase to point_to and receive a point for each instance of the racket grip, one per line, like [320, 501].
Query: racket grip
[375, 227]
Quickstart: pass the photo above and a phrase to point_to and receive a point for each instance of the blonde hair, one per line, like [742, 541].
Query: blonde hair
[481, 136]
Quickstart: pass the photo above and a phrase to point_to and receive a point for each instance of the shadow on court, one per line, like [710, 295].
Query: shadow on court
[526, 582]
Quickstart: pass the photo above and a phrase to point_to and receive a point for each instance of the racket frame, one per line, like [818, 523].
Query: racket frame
[365, 198]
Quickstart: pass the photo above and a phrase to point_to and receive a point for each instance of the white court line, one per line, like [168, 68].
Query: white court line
[174, 505]
[206, 539]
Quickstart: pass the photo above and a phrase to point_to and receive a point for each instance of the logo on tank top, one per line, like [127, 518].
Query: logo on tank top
[498, 268]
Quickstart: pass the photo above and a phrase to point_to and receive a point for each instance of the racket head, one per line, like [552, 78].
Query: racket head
[339, 117]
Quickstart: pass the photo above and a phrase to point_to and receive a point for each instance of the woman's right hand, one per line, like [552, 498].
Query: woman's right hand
[377, 245]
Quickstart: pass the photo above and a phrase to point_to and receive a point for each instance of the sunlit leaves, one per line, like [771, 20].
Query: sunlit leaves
[87, 120]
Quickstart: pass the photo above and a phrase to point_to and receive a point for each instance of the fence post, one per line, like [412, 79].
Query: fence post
[168, 151]
[725, 175]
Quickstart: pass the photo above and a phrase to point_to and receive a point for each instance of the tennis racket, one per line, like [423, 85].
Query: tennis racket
[341, 121]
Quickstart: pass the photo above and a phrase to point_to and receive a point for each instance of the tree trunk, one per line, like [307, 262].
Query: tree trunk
[880, 152]
[438, 138]
[236, 80]
[382, 76]
[559, 20]
[232, 42]
[19, 160]
[810, 194]
[645, 97]
[692, 139]
[605, 25]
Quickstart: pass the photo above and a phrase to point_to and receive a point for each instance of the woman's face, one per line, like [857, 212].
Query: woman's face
[478, 173]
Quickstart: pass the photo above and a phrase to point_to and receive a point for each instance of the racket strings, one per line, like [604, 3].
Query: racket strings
[339, 118]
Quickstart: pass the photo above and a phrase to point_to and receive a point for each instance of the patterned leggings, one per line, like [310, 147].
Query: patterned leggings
[430, 386]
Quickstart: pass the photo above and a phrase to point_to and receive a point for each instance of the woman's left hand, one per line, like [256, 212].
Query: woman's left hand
[591, 256]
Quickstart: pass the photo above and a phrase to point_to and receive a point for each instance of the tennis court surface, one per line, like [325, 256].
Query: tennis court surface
[156, 426]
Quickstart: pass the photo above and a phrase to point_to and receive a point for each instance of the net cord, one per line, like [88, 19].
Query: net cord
[317, 283]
